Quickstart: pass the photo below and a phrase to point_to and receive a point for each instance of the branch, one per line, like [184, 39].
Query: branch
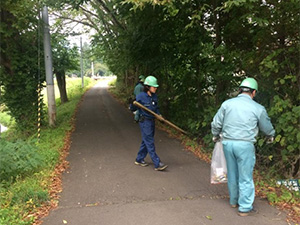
[114, 19]
[87, 11]
[75, 20]
[91, 21]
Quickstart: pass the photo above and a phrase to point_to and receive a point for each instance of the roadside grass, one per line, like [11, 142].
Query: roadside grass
[265, 185]
[22, 195]
[121, 94]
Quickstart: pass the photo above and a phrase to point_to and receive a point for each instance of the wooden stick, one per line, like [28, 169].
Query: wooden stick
[160, 118]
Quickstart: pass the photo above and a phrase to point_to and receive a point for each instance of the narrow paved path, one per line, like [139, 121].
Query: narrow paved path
[104, 187]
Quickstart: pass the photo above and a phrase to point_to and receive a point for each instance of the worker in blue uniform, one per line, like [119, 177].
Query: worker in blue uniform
[149, 99]
[238, 121]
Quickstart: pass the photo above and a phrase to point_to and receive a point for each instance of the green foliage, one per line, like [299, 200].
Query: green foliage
[20, 198]
[18, 159]
[33, 195]
[19, 70]
[65, 57]
[8, 216]
[5, 119]
[283, 195]
[287, 141]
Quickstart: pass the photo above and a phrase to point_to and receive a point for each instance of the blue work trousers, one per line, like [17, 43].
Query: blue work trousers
[147, 146]
[240, 159]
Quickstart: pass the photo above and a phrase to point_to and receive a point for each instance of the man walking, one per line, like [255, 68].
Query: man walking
[238, 121]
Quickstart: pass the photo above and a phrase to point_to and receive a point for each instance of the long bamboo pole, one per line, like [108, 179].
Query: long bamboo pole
[160, 118]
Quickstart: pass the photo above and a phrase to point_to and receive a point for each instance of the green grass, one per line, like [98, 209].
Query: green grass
[20, 197]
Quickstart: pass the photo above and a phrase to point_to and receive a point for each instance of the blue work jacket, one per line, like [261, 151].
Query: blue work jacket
[151, 102]
[241, 118]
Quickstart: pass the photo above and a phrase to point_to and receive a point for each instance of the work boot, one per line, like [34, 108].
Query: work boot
[161, 167]
[142, 163]
[249, 213]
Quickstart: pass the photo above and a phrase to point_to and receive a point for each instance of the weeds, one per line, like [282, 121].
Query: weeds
[18, 159]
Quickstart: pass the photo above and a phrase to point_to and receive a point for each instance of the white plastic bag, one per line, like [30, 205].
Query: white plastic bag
[218, 169]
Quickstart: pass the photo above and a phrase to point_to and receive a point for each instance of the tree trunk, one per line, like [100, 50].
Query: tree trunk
[61, 82]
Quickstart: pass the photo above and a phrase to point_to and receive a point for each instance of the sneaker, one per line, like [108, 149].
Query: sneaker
[234, 206]
[251, 212]
[142, 163]
[161, 167]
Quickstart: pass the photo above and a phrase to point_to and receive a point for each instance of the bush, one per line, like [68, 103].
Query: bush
[18, 159]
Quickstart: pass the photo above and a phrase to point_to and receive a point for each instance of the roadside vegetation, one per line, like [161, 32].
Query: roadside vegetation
[27, 167]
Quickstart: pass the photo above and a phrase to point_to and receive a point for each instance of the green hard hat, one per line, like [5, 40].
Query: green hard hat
[151, 81]
[249, 83]
[142, 78]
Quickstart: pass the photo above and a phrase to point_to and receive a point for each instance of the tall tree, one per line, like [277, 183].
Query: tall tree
[65, 58]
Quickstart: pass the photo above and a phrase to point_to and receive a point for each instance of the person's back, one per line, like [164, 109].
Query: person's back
[138, 89]
[242, 115]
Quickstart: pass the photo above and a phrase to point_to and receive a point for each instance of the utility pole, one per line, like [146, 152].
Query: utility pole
[81, 63]
[49, 69]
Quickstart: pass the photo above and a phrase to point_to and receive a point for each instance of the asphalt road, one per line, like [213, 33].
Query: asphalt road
[103, 186]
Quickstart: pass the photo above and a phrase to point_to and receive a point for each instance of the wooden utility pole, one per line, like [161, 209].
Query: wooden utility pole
[49, 69]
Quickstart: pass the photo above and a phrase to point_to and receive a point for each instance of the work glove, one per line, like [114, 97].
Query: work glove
[270, 140]
[216, 138]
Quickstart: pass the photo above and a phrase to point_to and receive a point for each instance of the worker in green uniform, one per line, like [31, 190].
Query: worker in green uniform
[238, 121]
[139, 87]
